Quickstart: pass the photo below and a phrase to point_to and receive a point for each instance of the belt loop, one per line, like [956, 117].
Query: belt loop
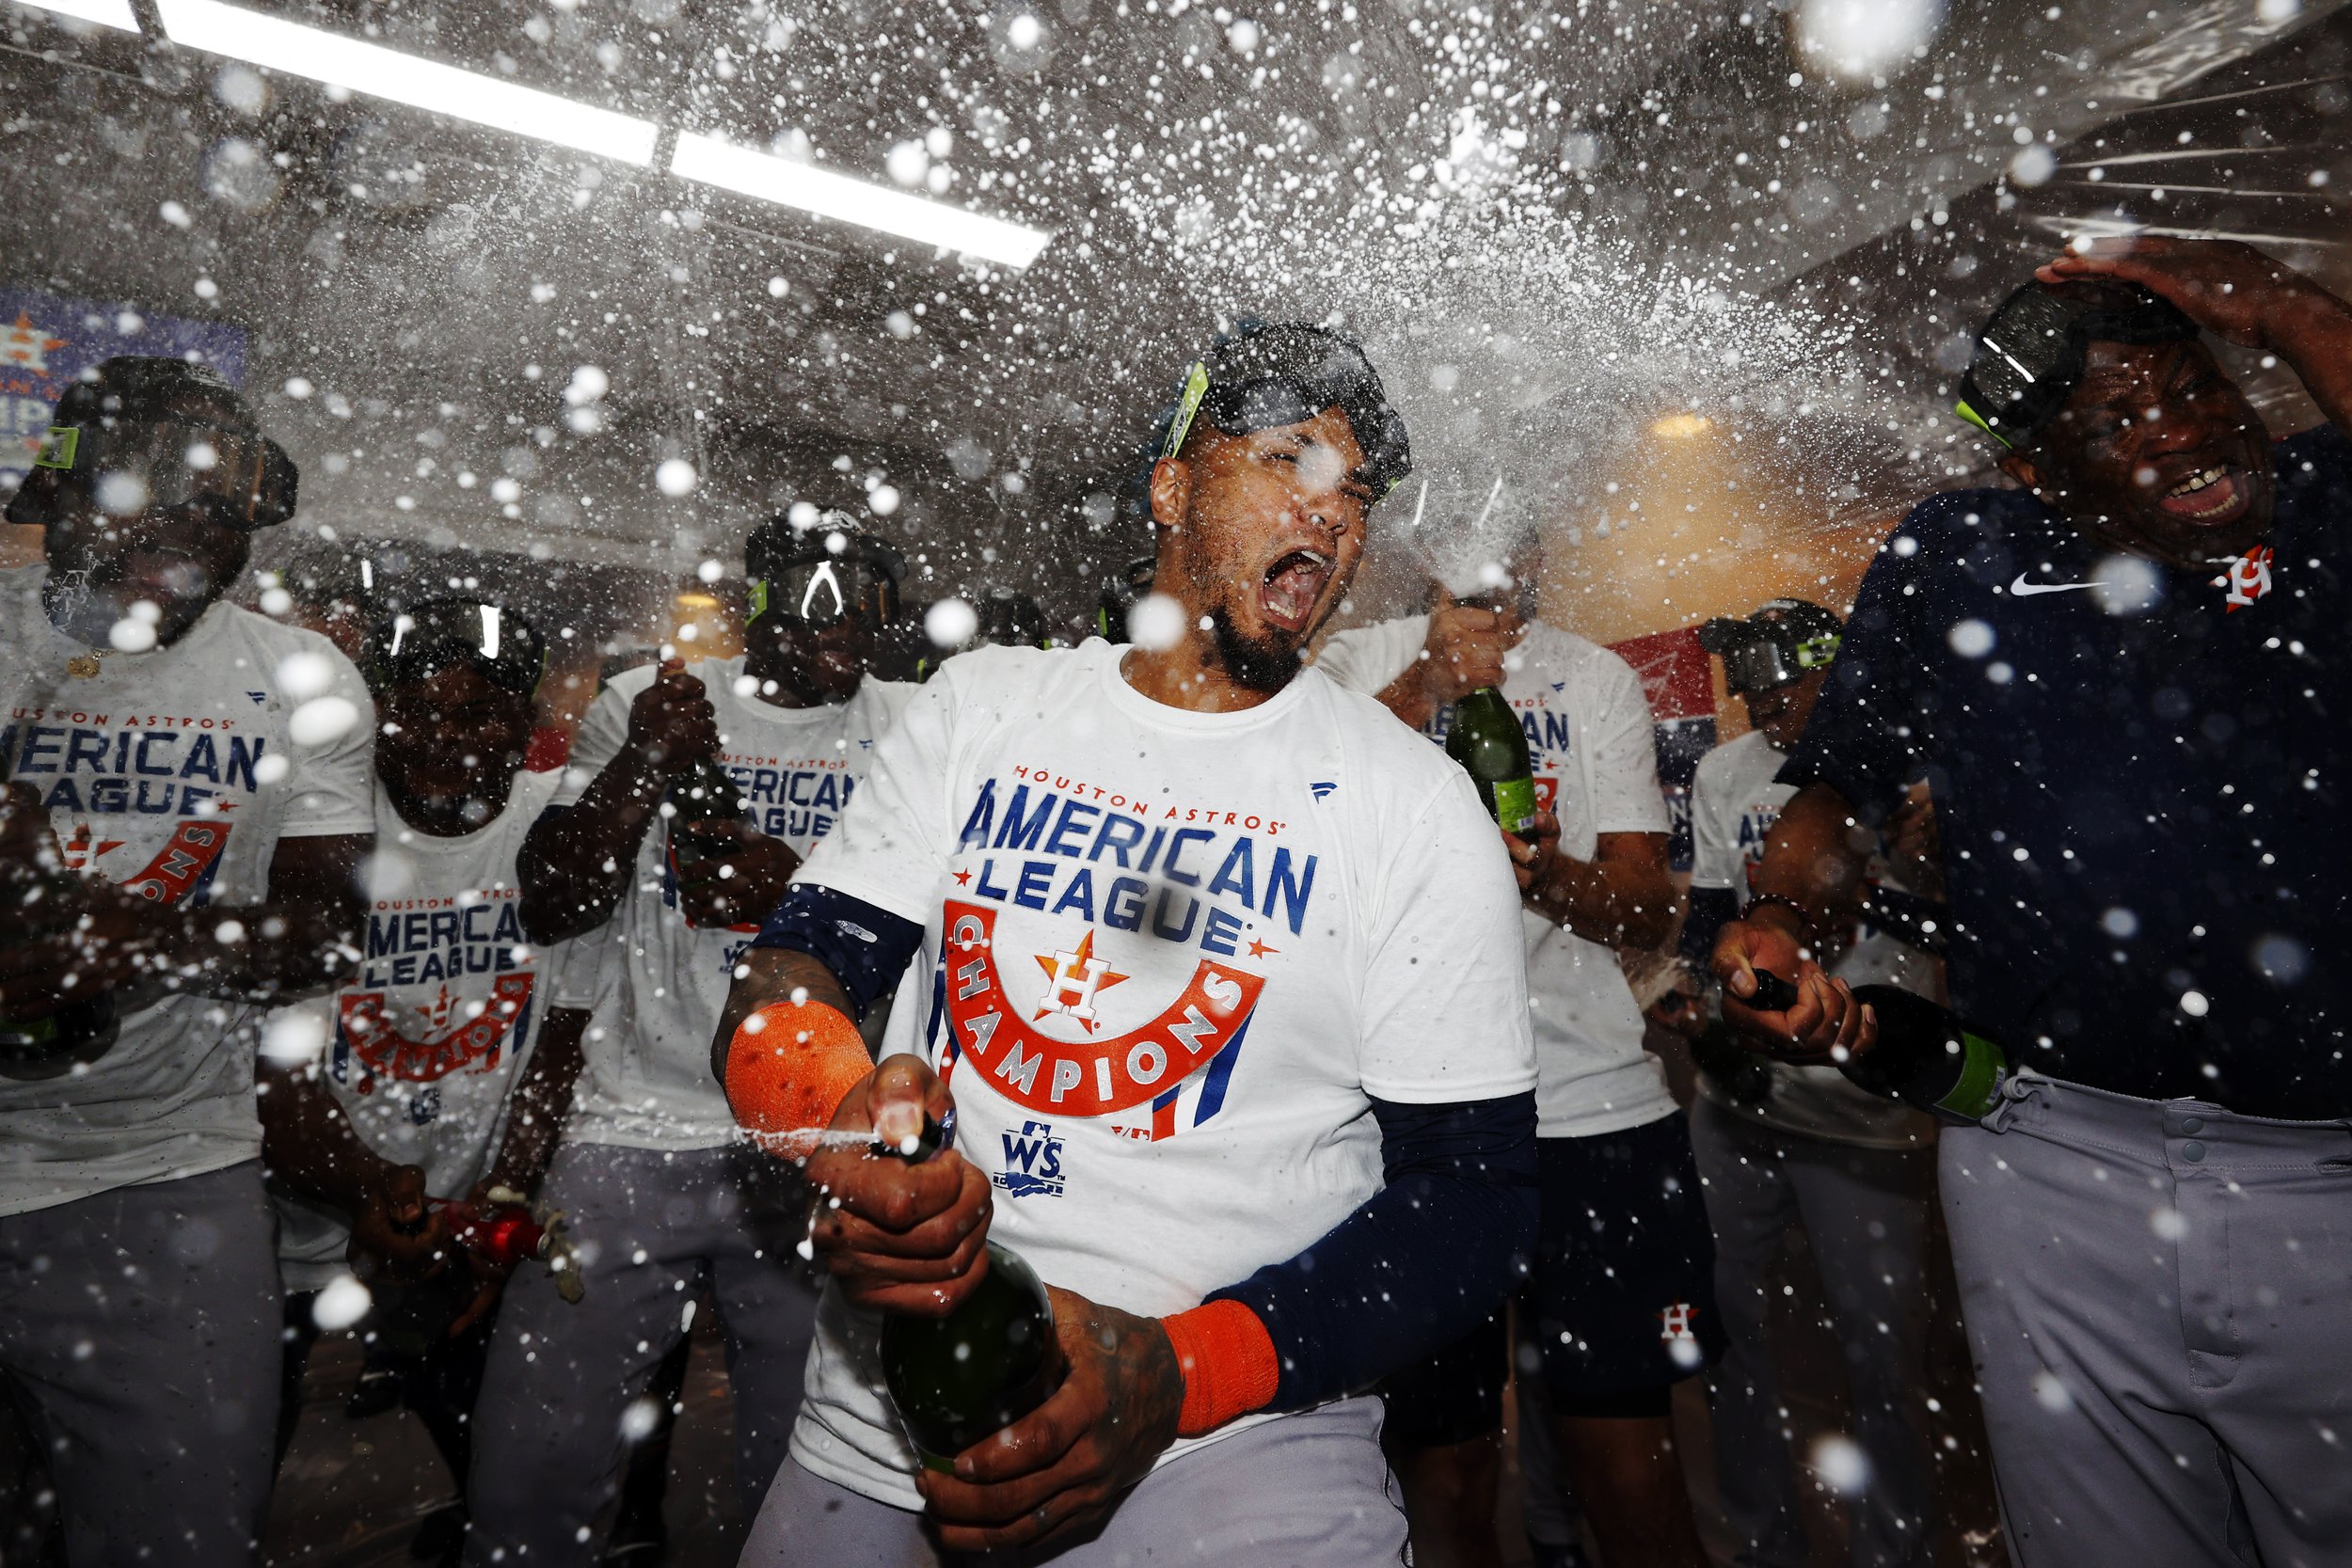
[2016, 1091]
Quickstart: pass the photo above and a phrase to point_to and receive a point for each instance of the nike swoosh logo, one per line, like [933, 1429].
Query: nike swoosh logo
[2025, 590]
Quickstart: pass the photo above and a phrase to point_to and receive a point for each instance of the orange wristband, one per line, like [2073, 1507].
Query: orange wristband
[789, 1067]
[1228, 1362]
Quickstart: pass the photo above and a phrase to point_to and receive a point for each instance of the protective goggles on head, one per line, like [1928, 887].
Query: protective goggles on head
[494, 642]
[241, 478]
[2031, 353]
[1271, 376]
[1763, 664]
[1779, 645]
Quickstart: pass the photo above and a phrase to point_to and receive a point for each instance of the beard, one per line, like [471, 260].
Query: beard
[1261, 664]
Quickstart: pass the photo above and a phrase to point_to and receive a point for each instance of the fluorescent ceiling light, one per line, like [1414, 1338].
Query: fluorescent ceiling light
[380, 73]
[838, 197]
[106, 13]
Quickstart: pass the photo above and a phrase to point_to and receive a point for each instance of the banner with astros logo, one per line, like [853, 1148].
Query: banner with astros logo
[1083, 1077]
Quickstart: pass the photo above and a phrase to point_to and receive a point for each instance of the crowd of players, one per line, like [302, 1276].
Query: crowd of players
[1322, 1107]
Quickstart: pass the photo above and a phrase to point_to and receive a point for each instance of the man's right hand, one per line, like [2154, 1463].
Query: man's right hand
[900, 1236]
[1825, 1017]
[1464, 649]
[672, 724]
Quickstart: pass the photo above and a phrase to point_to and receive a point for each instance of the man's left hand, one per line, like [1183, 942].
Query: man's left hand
[1534, 854]
[1069, 1461]
[740, 878]
[2230, 288]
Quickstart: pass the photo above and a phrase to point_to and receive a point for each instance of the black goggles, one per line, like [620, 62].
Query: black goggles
[1286, 375]
[825, 592]
[242, 479]
[502, 647]
[1764, 663]
[2032, 352]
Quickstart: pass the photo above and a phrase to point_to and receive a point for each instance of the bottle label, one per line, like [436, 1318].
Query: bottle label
[1512, 802]
[1981, 1073]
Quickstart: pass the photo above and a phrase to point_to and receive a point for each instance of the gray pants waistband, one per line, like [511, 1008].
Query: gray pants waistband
[2166, 1131]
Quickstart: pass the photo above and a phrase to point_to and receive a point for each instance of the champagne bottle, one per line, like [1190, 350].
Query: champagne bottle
[1485, 739]
[1925, 1056]
[703, 795]
[982, 1367]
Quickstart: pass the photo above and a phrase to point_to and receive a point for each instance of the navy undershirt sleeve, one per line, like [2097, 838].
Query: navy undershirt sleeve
[1711, 909]
[867, 948]
[1419, 1264]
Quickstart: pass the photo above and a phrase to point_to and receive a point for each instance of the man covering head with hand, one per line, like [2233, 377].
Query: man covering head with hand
[2122, 683]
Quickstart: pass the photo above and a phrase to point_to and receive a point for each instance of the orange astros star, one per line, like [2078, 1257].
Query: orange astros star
[1259, 949]
[1072, 980]
[962, 876]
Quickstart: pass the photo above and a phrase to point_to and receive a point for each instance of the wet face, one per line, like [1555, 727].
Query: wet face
[1783, 712]
[809, 664]
[1261, 534]
[450, 738]
[2158, 453]
[178, 559]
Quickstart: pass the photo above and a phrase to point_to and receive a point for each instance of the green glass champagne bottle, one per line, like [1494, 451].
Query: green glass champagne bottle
[1925, 1056]
[982, 1367]
[1485, 739]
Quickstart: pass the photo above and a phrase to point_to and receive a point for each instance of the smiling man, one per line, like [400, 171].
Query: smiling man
[2124, 683]
[186, 810]
[1223, 978]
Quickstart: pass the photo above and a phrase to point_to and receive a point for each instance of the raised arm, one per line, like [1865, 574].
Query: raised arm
[2236, 291]
[577, 859]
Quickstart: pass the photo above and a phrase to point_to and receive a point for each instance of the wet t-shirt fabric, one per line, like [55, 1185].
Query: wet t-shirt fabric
[423, 1046]
[1173, 958]
[176, 772]
[647, 1082]
[2138, 774]
[1592, 739]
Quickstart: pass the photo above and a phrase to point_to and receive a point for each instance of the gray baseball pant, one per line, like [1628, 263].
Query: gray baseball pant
[1307, 1491]
[1865, 1212]
[139, 1327]
[2159, 1299]
[654, 1227]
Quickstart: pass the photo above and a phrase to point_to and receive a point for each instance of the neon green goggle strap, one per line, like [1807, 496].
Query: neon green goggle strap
[1195, 387]
[1815, 653]
[758, 600]
[58, 448]
[1976, 418]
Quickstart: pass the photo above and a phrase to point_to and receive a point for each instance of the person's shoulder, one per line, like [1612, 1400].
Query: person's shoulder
[1367, 657]
[1961, 517]
[275, 639]
[1720, 767]
[628, 683]
[531, 792]
[15, 579]
[2315, 468]
[1377, 739]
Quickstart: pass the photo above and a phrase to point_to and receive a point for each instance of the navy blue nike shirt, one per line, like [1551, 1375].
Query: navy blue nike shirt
[2138, 776]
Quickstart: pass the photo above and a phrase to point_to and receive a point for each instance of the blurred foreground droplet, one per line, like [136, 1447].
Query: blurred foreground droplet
[343, 1303]
[1156, 623]
[950, 623]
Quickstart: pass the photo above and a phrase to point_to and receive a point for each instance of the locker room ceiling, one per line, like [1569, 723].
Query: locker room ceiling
[435, 286]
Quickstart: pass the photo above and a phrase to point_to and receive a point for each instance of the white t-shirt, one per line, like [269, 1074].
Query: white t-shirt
[176, 769]
[1735, 800]
[646, 1080]
[1175, 956]
[1591, 737]
[425, 1044]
